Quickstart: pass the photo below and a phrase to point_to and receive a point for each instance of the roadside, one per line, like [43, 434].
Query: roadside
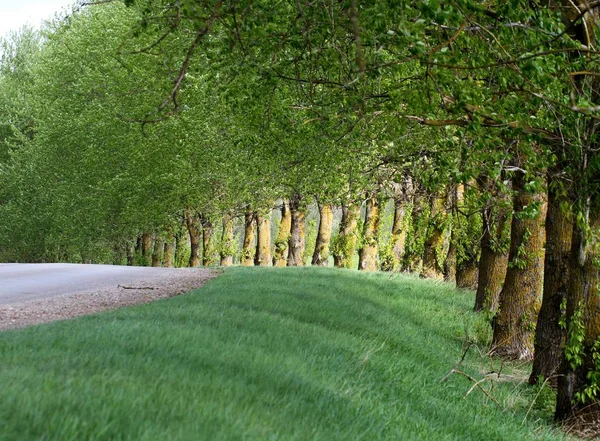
[173, 283]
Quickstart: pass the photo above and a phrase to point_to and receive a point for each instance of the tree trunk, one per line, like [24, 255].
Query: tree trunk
[297, 242]
[227, 245]
[263, 240]
[157, 252]
[193, 226]
[434, 243]
[549, 334]
[248, 247]
[368, 256]
[583, 300]
[283, 236]
[493, 262]
[169, 253]
[419, 220]
[181, 243]
[146, 245]
[208, 252]
[456, 202]
[520, 296]
[467, 274]
[129, 250]
[345, 245]
[583, 319]
[321, 254]
[398, 233]
[450, 269]
[118, 250]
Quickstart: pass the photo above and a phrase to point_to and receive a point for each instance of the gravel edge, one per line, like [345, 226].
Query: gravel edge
[35, 312]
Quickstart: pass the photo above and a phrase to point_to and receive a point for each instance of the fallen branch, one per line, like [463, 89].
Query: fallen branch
[135, 287]
[477, 384]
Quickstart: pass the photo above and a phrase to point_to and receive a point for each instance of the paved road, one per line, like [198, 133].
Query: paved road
[21, 282]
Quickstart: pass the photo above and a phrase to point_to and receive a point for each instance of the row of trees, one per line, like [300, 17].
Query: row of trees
[171, 120]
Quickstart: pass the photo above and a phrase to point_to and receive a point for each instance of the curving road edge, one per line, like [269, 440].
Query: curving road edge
[40, 293]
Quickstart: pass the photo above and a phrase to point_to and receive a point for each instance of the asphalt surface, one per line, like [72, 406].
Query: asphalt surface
[23, 282]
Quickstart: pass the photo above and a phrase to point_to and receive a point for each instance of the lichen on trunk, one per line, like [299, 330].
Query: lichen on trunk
[227, 243]
[344, 246]
[456, 202]
[368, 255]
[248, 246]
[467, 273]
[263, 239]
[433, 258]
[416, 237]
[321, 253]
[280, 255]
[208, 252]
[579, 379]
[193, 226]
[130, 253]
[297, 242]
[493, 262]
[169, 252]
[181, 241]
[146, 248]
[157, 251]
[519, 300]
[399, 233]
[549, 333]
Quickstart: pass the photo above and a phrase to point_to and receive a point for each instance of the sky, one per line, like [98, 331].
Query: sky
[16, 13]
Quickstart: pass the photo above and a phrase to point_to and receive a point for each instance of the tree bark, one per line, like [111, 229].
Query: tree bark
[169, 253]
[146, 245]
[193, 226]
[248, 248]
[263, 240]
[297, 242]
[450, 263]
[347, 235]
[582, 297]
[467, 274]
[456, 202]
[129, 250]
[398, 233]
[321, 253]
[227, 245]
[520, 296]
[283, 236]
[208, 230]
[181, 242]
[549, 334]
[118, 249]
[419, 221]
[157, 252]
[368, 256]
[434, 243]
[493, 262]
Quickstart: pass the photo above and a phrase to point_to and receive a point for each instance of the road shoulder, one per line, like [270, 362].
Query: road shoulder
[19, 315]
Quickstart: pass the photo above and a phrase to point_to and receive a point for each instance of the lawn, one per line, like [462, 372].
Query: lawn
[269, 354]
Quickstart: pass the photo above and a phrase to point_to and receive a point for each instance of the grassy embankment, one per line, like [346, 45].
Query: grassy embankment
[267, 354]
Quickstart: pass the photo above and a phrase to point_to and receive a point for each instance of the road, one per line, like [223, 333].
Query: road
[31, 281]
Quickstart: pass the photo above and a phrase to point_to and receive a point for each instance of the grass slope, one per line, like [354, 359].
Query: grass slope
[262, 354]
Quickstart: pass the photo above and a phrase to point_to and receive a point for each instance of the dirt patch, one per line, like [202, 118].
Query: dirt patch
[19, 315]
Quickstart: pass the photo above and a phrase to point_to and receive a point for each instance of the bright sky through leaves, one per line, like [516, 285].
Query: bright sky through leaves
[16, 13]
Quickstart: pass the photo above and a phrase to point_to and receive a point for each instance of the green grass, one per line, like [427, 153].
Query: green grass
[265, 354]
